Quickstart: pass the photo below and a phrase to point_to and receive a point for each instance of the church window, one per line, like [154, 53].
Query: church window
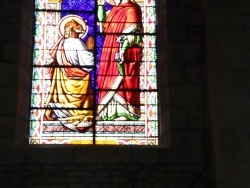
[94, 75]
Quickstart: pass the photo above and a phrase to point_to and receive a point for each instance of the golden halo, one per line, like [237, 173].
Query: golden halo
[67, 19]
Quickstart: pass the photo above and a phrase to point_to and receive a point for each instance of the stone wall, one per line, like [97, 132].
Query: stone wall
[101, 176]
[15, 65]
[229, 87]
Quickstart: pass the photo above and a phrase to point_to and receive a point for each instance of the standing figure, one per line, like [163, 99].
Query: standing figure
[119, 69]
[70, 99]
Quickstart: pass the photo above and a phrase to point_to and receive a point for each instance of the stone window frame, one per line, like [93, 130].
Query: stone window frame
[21, 150]
[58, 2]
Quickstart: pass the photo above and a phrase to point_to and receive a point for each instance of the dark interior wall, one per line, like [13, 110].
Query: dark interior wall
[229, 88]
[15, 60]
[203, 89]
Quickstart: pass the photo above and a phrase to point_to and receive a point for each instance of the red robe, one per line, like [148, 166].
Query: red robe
[123, 19]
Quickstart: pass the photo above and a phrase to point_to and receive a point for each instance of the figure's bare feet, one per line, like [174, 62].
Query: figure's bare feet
[48, 114]
[98, 118]
[121, 119]
[84, 126]
[81, 129]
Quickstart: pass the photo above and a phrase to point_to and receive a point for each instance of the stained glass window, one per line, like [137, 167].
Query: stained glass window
[94, 78]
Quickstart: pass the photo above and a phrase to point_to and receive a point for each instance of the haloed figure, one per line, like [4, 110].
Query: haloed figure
[119, 70]
[70, 99]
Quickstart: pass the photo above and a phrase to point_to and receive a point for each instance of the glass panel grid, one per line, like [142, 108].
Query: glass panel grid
[102, 101]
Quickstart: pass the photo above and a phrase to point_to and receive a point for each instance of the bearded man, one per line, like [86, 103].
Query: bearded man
[70, 99]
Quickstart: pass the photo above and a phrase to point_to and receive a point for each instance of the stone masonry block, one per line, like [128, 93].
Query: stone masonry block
[27, 14]
[12, 150]
[189, 95]
[196, 34]
[226, 55]
[163, 77]
[23, 100]
[161, 4]
[10, 12]
[177, 33]
[7, 127]
[9, 32]
[162, 59]
[198, 118]
[185, 2]
[7, 72]
[196, 18]
[184, 51]
[8, 100]
[171, 3]
[26, 36]
[11, 51]
[178, 16]
[176, 72]
[179, 118]
[21, 129]
[230, 3]
[189, 145]
[24, 75]
[28, 3]
[195, 72]
[162, 37]
[232, 83]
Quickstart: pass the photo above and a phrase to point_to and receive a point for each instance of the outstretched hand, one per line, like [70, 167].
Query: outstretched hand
[90, 43]
[100, 2]
[121, 54]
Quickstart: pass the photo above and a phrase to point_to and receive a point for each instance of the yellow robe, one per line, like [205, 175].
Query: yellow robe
[70, 96]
